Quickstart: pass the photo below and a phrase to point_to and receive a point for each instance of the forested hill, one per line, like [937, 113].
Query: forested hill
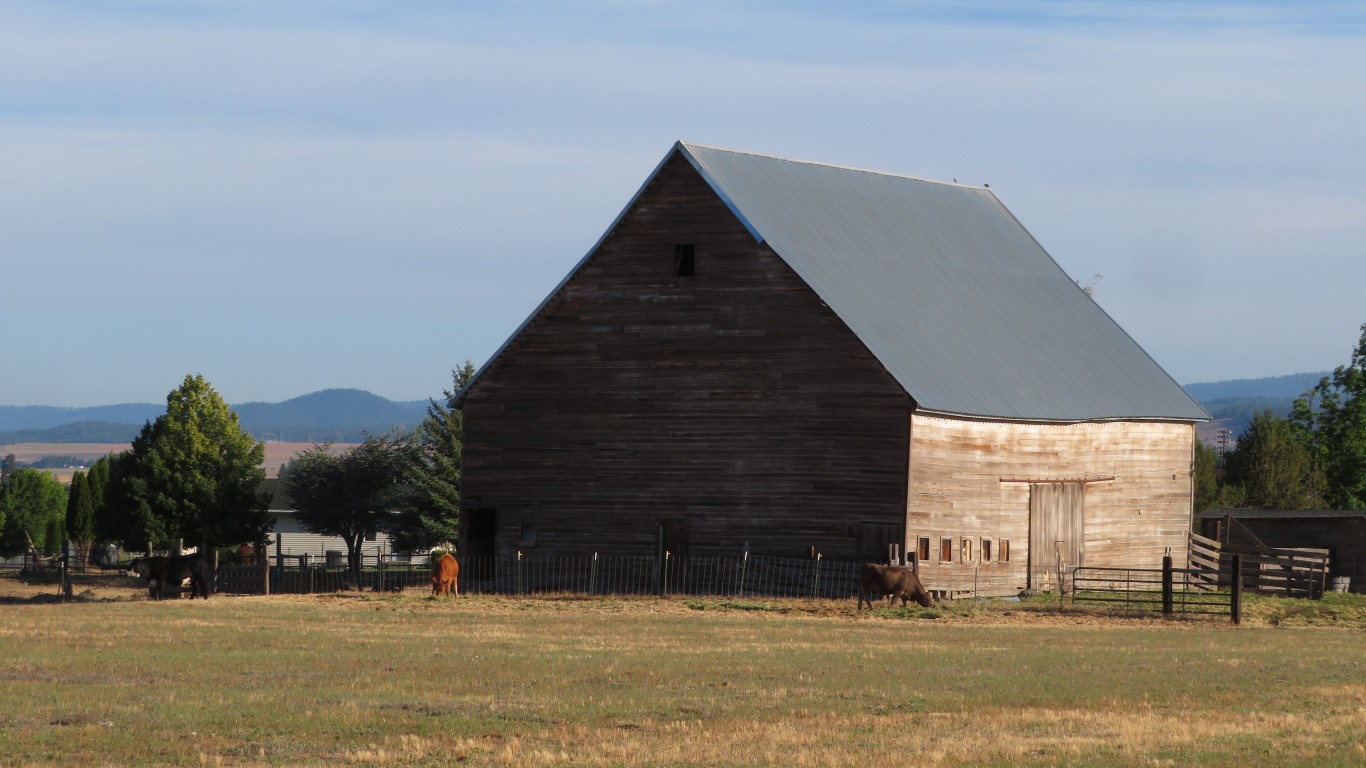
[1233, 403]
[339, 415]
[1289, 386]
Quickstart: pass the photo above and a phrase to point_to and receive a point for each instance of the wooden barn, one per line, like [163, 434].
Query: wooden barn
[790, 358]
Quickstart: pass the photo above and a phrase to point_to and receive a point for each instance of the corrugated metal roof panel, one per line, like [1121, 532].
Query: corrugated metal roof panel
[948, 290]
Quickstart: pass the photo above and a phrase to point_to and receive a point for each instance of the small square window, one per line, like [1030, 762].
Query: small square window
[946, 550]
[1005, 551]
[986, 550]
[526, 535]
[922, 549]
[685, 260]
[967, 550]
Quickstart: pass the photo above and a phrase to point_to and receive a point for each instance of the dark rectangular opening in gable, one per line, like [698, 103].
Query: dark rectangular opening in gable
[685, 260]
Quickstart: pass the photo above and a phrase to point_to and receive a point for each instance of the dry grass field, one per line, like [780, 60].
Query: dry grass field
[276, 453]
[411, 680]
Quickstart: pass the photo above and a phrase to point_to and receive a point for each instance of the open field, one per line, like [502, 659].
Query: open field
[409, 680]
[276, 453]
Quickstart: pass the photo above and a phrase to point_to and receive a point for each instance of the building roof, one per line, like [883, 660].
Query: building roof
[1279, 514]
[946, 289]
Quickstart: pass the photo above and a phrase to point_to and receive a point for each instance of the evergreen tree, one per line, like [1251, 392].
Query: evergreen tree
[1332, 416]
[80, 513]
[193, 475]
[431, 510]
[56, 535]
[1206, 484]
[96, 481]
[8, 466]
[1275, 467]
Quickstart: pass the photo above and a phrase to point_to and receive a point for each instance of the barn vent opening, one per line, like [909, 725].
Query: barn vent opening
[986, 550]
[967, 550]
[685, 260]
[1004, 554]
[946, 550]
[922, 549]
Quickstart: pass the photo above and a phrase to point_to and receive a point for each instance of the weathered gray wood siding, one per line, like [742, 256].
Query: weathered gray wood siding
[732, 404]
[971, 480]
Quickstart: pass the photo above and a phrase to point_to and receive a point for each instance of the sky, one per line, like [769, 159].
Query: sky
[288, 196]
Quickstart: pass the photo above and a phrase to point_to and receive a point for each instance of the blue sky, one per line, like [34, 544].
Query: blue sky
[292, 196]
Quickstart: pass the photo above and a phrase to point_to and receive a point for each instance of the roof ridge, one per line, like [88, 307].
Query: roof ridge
[692, 144]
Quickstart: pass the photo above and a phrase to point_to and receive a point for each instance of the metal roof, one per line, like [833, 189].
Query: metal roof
[947, 289]
[1279, 514]
[943, 285]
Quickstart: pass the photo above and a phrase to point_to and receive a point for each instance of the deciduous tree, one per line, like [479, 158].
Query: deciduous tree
[1332, 416]
[31, 499]
[1274, 466]
[352, 495]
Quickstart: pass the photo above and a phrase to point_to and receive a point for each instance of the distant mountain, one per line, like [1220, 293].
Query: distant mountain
[330, 408]
[331, 415]
[1234, 402]
[1291, 385]
[13, 417]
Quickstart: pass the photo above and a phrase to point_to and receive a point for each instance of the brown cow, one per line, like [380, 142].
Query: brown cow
[444, 574]
[894, 581]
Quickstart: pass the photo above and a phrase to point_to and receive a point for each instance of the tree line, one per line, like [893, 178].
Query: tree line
[194, 476]
[1312, 458]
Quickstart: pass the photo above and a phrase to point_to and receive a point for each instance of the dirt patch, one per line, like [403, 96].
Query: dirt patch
[17, 588]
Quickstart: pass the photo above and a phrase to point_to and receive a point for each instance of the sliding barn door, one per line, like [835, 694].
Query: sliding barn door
[1056, 514]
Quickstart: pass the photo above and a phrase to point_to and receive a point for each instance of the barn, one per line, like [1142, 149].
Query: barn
[790, 358]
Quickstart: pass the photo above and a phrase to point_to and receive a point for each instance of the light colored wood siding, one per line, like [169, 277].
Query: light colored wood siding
[971, 479]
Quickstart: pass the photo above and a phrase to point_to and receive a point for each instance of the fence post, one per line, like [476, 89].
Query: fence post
[740, 583]
[381, 571]
[308, 573]
[816, 582]
[593, 575]
[1236, 599]
[1167, 585]
[664, 582]
[517, 575]
[261, 559]
[66, 569]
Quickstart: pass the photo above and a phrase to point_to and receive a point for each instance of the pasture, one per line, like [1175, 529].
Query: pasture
[360, 679]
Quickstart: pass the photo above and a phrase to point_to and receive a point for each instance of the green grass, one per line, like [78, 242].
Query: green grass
[409, 680]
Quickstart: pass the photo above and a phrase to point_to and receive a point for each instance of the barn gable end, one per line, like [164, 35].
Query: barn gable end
[710, 411]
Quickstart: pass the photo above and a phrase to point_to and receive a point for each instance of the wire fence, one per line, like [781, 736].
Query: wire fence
[745, 575]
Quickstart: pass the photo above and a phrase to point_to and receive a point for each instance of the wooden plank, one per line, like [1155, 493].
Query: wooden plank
[733, 400]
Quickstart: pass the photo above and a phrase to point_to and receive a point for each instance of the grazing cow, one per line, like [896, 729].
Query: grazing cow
[894, 581]
[159, 571]
[445, 572]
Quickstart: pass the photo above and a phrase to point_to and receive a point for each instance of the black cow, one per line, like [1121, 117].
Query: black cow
[160, 570]
[894, 581]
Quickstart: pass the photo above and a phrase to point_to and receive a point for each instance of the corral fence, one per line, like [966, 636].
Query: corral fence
[1213, 584]
[745, 575]
[1286, 571]
[1168, 590]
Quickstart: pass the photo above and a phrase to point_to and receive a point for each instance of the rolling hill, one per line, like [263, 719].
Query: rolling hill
[340, 415]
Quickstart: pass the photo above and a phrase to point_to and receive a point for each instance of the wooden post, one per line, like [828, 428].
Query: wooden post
[263, 562]
[1167, 585]
[1236, 599]
[66, 569]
